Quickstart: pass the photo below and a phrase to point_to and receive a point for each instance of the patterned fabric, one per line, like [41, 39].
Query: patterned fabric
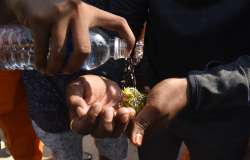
[64, 146]
[49, 112]
[47, 101]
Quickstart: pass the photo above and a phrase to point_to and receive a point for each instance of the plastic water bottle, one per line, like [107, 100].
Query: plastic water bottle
[17, 48]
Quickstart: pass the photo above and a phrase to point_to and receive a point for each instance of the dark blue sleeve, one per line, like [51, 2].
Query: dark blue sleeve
[221, 87]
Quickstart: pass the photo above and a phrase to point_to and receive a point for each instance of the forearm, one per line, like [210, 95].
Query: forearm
[6, 14]
[222, 87]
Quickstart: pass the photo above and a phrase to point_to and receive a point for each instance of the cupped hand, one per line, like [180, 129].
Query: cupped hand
[94, 107]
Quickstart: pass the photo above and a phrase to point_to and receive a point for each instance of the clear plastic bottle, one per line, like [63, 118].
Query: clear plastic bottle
[17, 48]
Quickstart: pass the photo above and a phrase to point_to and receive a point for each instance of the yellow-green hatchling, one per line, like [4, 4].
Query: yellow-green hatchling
[133, 98]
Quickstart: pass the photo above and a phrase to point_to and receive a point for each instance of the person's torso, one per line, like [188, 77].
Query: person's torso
[183, 35]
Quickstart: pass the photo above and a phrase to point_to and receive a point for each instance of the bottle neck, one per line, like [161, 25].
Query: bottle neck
[118, 48]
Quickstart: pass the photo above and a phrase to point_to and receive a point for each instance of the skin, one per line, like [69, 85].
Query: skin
[94, 107]
[165, 100]
[50, 22]
[92, 100]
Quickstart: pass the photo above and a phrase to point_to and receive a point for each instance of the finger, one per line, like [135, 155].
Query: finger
[81, 126]
[58, 41]
[115, 23]
[132, 113]
[145, 118]
[94, 112]
[123, 114]
[41, 46]
[122, 120]
[75, 99]
[82, 46]
[105, 127]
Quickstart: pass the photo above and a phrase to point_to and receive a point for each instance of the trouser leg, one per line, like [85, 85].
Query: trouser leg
[162, 145]
[22, 141]
[64, 145]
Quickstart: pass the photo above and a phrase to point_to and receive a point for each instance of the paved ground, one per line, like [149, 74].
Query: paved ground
[89, 147]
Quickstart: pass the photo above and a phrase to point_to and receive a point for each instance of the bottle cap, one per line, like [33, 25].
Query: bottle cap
[120, 48]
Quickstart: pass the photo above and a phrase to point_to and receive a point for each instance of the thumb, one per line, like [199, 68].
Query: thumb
[145, 118]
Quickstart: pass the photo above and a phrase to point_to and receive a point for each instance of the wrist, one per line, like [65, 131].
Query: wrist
[180, 94]
[184, 92]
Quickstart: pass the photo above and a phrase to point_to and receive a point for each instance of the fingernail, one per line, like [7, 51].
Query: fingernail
[109, 112]
[138, 139]
[96, 109]
[115, 113]
[80, 111]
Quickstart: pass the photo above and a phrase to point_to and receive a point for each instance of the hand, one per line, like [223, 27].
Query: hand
[93, 102]
[53, 18]
[164, 102]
